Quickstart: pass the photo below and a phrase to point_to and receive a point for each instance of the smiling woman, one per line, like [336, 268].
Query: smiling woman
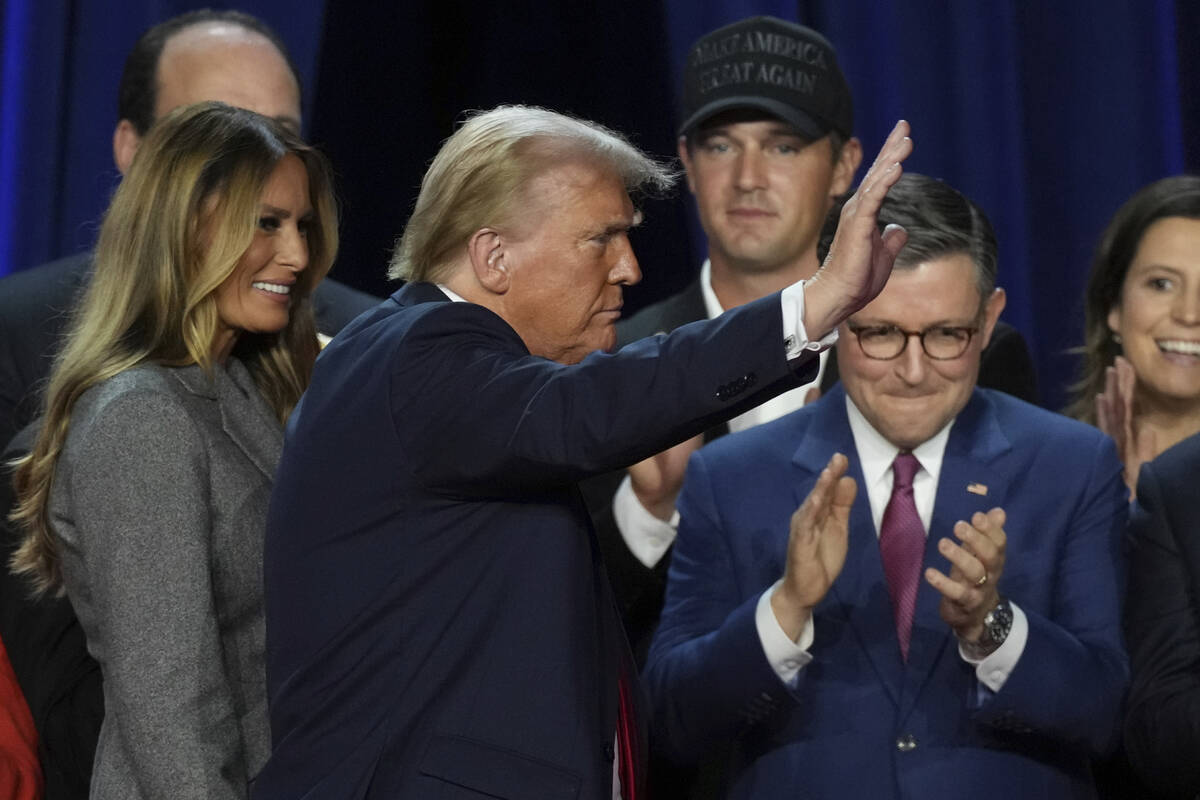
[1141, 371]
[145, 496]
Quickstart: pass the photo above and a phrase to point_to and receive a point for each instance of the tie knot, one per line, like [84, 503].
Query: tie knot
[903, 469]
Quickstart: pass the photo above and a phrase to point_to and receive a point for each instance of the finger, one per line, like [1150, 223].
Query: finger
[985, 549]
[1126, 378]
[954, 591]
[812, 395]
[997, 517]
[1104, 401]
[978, 543]
[845, 492]
[969, 567]
[895, 148]
[989, 525]
[871, 191]
[837, 466]
[818, 497]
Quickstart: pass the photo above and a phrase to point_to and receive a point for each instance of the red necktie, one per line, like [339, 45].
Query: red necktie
[627, 741]
[902, 547]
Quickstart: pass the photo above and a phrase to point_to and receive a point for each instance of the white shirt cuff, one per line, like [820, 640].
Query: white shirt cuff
[795, 336]
[994, 670]
[786, 657]
[646, 536]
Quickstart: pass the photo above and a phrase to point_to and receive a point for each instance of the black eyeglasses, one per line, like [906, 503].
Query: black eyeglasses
[941, 342]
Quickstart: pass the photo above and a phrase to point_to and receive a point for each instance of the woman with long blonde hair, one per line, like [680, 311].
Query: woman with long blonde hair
[145, 495]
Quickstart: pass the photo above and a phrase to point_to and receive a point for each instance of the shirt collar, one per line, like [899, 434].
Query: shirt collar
[712, 306]
[876, 454]
[457, 298]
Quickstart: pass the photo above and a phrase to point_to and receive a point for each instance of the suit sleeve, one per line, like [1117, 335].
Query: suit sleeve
[496, 418]
[708, 677]
[140, 489]
[1162, 621]
[1070, 680]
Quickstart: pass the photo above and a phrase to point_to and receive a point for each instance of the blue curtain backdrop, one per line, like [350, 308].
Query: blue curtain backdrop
[1047, 114]
[59, 69]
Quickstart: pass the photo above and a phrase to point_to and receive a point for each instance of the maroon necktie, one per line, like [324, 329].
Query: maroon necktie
[627, 741]
[902, 547]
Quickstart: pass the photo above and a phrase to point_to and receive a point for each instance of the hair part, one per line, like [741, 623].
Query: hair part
[940, 221]
[137, 93]
[479, 174]
[175, 230]
[1177, 196]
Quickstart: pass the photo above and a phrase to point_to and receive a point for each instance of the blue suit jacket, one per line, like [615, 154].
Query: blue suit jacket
[860, 722]
[439, 623]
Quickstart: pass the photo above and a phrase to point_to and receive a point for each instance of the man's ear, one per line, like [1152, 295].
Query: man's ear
[845, 167]
[125, 143]
[686, 158]
[487, 253]
[991, 313]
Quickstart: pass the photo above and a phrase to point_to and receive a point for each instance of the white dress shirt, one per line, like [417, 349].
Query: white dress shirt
[876, 455]
[649, 537]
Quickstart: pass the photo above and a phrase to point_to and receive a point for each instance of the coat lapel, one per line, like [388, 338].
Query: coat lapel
[859, 596]
[245, 416]
[975, 442]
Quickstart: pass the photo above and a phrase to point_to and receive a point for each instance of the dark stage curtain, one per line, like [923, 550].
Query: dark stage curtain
[59, 69]
[1048, 115]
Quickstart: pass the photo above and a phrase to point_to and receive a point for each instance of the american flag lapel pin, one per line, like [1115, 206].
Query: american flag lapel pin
[977, 488]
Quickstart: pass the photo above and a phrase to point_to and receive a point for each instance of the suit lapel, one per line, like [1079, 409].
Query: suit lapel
[975, 441]
[859, 595]
[245, 416]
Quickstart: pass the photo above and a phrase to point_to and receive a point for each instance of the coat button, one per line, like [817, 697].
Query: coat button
[906, 743]
[609, 752]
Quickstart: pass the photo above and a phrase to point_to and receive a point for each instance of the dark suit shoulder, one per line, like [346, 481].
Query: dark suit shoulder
[1177, 464]
[35, 306]
[1021, 419]
[415, 316]
[664, 316]
[1006, 364]
[336, 304]
[46, 289]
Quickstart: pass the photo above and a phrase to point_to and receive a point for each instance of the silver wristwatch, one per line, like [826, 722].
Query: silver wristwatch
[996, 626]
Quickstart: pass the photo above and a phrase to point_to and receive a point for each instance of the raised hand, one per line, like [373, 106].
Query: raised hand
[1114, 416]
[976, 563]
[656, 481]
[816, 547]
[860, 258]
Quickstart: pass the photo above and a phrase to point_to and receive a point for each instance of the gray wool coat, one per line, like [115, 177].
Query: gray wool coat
[159, 505]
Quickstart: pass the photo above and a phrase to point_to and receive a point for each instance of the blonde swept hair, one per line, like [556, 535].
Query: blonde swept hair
[478, 175]
[176, 228]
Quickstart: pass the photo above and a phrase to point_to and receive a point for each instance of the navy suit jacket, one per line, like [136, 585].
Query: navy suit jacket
[861, 722]
[439, 624]
[1162, 621]
[1005, 365]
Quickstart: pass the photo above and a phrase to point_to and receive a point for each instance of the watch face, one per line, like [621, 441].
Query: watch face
[998, 622]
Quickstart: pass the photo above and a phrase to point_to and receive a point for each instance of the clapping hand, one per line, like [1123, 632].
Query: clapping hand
[1114, 416]
[817, 542]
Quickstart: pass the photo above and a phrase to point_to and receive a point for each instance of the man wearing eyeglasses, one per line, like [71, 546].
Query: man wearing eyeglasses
[940, 617]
